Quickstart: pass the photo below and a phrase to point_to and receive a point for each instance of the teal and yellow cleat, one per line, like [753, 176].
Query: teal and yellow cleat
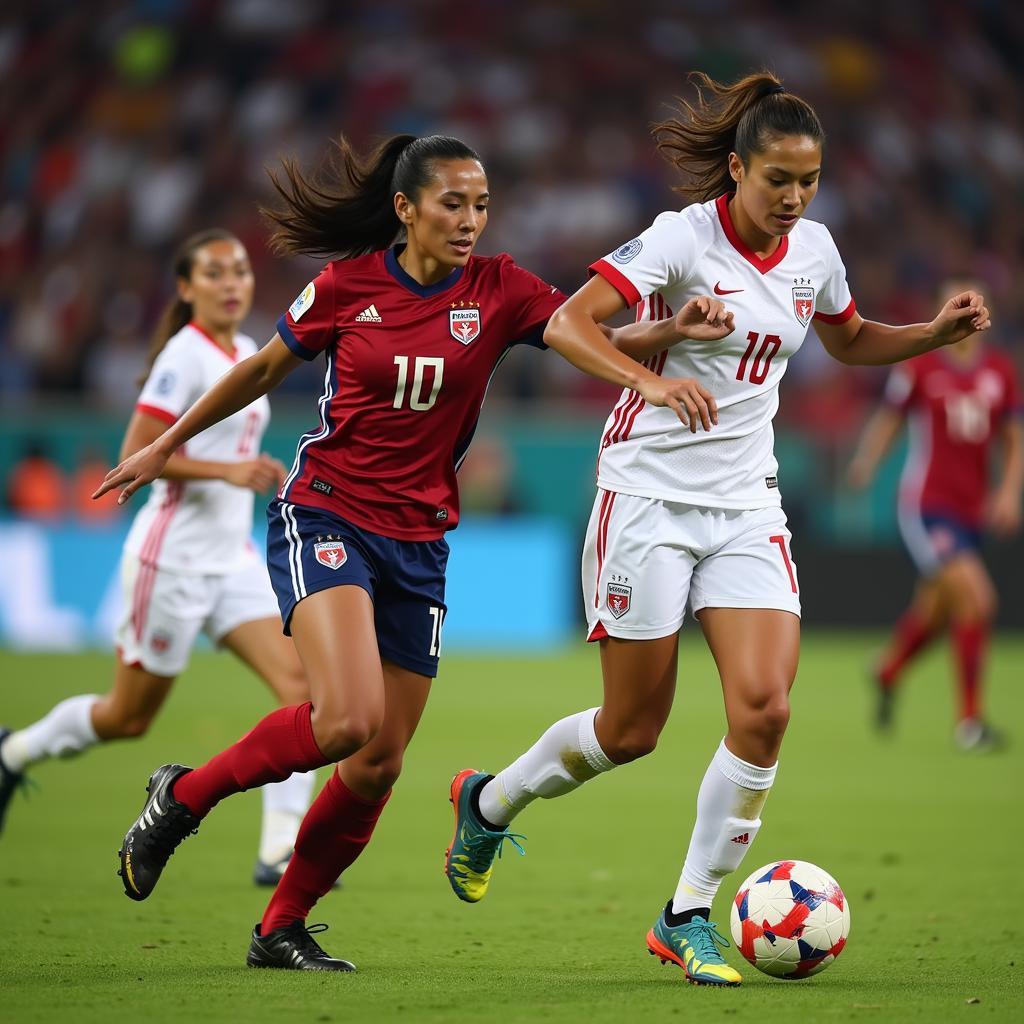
[468, 861]
[694, 947]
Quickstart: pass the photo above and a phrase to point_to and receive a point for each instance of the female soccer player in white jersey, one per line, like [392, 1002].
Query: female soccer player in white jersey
[411, 335]
[696, 519]
[189, 564]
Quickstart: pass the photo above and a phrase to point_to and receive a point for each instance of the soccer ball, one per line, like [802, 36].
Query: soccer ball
[790, 919]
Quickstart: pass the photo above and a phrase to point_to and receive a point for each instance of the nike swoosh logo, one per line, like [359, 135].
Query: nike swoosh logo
[719, 290]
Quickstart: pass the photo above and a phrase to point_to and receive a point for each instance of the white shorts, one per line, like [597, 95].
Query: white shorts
[644, 559]
[165, 611]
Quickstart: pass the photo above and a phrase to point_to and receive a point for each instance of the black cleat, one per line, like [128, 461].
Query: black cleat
[158, 830]
[293, 948]
[270, 874]
[885, 703]
[9, 781]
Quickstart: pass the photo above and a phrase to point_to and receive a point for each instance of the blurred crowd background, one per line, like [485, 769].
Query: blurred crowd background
[124, 126]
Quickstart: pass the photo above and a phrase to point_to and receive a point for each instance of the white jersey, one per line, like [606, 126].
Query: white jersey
[198, 526]
[645, 450]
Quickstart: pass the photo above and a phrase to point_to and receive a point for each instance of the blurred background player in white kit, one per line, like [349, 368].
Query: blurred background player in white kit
[189, 564]
[695, 519]
[959, 404]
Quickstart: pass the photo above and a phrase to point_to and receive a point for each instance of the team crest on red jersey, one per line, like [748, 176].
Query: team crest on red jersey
[803, 304]
[464, 321]
[331, 553]
[618, 599]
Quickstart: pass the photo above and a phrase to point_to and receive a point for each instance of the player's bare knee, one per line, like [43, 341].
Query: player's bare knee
[339, 736]
[377, 777]
[130, 727]
[631, 743]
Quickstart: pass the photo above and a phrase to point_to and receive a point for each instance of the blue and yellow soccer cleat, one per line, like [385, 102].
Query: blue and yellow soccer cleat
[694, 947]
[468, 861]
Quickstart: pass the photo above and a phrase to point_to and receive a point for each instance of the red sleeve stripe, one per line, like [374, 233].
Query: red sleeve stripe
[617, 280]
[838, 318]
[155, 410]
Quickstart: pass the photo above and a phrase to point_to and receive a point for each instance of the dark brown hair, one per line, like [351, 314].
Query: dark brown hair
[346, 207]
[742, 118]
[178, 312]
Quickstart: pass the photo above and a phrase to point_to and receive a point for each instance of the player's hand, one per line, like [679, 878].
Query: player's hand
[1004, 513]
[261, 474]
[960, 317]
[704, 319]
[690, 401]
[136, 471]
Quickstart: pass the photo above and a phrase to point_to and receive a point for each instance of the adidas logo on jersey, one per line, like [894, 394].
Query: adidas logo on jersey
[369, 316]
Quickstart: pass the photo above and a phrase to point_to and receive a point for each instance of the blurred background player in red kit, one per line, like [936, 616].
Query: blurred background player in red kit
[959, 404]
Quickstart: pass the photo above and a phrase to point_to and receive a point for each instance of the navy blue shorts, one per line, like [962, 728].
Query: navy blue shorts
[309, 550]
[934, 539]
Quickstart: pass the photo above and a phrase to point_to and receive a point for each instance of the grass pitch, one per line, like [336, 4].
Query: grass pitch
[925, 841]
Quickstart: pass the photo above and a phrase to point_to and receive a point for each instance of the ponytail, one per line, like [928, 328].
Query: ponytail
[742, 118]
[178, 312]
[346, 207]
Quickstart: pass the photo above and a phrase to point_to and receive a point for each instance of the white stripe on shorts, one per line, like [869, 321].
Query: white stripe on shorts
[291, 532]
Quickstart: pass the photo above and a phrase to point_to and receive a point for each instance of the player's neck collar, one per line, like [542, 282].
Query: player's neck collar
[424, 291]
[763, 265]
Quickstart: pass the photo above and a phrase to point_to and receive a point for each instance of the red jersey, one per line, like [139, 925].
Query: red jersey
[954, 411]
[407, 370]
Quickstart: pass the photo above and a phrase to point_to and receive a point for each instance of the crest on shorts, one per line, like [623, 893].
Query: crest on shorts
[618, 599]
[160, 641]
[463, 322]
[331, 553]
[803, 304]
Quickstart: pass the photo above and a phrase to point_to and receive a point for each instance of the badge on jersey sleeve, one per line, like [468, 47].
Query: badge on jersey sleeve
[303, 302]
[803, 302]
[464, 321]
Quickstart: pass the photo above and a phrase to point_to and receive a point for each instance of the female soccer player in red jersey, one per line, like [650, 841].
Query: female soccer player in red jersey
[697, 519]
[356, 548]
[958, 404]
[188, 563]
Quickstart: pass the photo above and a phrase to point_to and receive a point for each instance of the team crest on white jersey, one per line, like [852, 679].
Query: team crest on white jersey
[803, 304]
[618, 599]
[331, 553]
[463, 322]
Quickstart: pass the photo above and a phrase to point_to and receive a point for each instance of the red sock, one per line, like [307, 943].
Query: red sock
[280, 744]
[337, 826]
[970, 640]
[910, 636]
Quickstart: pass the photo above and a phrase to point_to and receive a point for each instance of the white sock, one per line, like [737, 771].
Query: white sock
[565, 757]
[728, 818]
[284, 806]
[65, 731]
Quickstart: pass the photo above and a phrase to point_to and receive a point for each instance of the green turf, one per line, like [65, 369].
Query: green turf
[925, 841]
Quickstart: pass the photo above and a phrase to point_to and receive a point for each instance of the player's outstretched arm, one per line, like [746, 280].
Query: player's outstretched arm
[881, 431]
[866, 343]
[1004, 509]
[239, 387]
[701, 319]
[574, 332]
[261, 474]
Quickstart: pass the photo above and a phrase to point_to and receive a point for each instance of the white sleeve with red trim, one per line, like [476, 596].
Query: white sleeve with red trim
[174, 383]
[663, 256]
[833, 303]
